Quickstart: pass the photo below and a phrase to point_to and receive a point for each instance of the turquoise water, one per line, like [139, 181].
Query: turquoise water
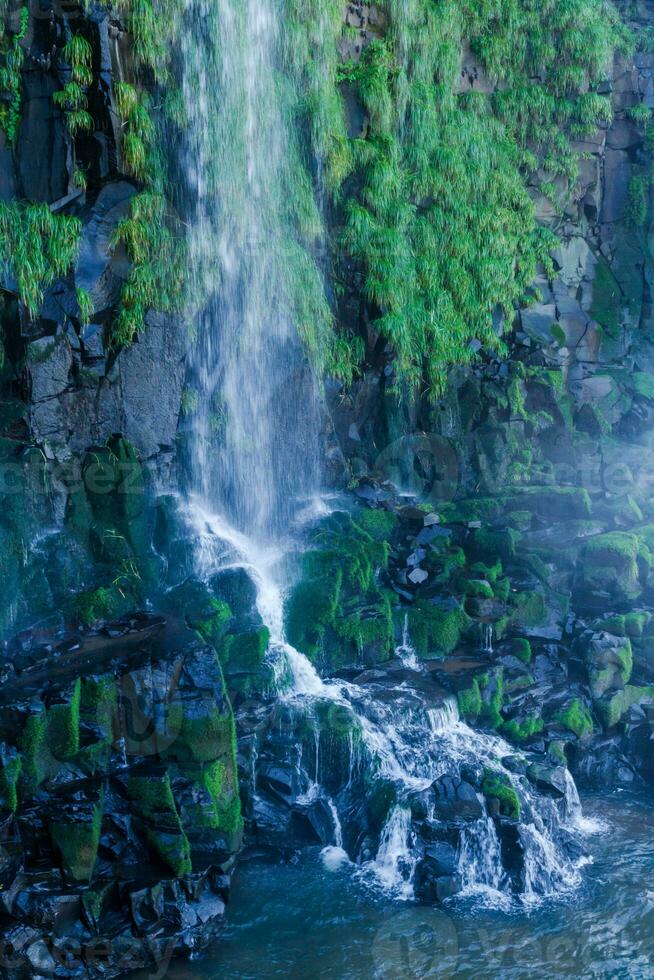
[303, 921]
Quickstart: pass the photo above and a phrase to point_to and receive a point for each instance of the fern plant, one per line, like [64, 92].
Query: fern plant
[10, 78]
[72, 98]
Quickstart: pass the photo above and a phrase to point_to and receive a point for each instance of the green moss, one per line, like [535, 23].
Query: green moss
[379, 524]
[576, 717]
[530, 609]
[212, 629]
[491, 545]
[554, 503]
[63, 725]
[476, 587]
[206, 732]
[226, 801]
[626, 661]
[32, 743]
[610, 563]
[77, 842]
[475, 509]
[435, 631]
[470, 701]
[369, 629]
[152, 800]
[99, 701]
[93, 605]
[521, 648]
[491, 686]
[490, 572]
[312, 606]
[607, 298]
[244, 652]
[519, 731]
[497, 786]
[336, 613]
[10, 770]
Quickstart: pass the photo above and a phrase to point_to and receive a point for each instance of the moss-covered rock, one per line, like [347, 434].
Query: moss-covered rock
[521, 648]
[10, 769]
[611, 708]
[337, 614]
[530, 609]
[63, 724]
[435, 630]
[553, 503]
[489, 544]
[610, 661]
[75, 832]
[469, 700]
[498, 787]
[33, 746]
[153, 802]
[610, 564]
[576, 717]
[521, 729]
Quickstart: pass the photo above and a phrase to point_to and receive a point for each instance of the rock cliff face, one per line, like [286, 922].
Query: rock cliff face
[522, 566]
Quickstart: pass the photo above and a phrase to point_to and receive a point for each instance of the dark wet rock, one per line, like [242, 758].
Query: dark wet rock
[116, 784]
[43, 152]
[98, 271]
[548, 779]
[455, 799]
[435, 875]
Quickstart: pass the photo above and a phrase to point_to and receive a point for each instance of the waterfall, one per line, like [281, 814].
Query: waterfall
[253, 452]
[253, 429]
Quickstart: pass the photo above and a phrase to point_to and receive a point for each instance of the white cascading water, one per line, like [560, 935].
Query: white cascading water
[254, 452]
[255, 420]
[406, 742]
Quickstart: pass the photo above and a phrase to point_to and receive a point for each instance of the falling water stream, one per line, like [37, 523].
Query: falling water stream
[254, 448]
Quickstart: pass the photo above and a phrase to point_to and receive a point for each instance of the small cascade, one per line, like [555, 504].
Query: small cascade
[338, 830]
[395, 861]
[444, 718]
[406, 651]
[487, 638]
[572, 811]
[480, 859]
[545, 873]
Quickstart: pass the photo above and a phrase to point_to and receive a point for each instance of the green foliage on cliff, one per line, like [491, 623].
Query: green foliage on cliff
[156, 277]
[12, 57]
[434, 190]
[444, 226]
[77, 53]
[38, 246]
